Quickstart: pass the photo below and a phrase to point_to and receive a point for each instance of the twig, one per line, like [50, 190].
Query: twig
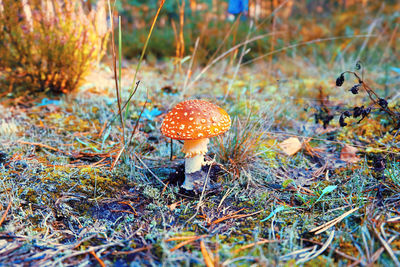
[38, 144]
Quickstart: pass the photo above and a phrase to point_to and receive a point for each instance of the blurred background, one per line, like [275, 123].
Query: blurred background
[52, 44]
[288, 22]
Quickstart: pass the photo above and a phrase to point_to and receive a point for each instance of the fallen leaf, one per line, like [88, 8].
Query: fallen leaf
[290, 146]
[348, 154]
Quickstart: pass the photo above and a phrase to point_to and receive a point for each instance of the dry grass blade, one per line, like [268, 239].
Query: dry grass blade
[178, 238]
[207, 257]
[374, 257]
[3, 218]
[377, 253]
[132, 251]
[235, 216]
[318, 40]
[256, 244]
[223, 55]
[393, 220]
[117, 157]
[387, 247]
[102, 264]
[318, 252]
[189, 71]
[228, 192]
[330, 248]
[326, 226]
[138, 119]
[232, 80]
[78, 253]
[184, 243]
[131, 137]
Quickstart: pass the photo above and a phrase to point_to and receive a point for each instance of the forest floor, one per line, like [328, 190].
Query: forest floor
[288, 190]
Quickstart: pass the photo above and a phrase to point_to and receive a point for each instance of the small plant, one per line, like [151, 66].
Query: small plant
[49, 45]
[376, 104]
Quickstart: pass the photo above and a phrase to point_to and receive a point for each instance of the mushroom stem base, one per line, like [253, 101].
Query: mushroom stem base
[192, 180]
[195, 181]
[194, 164]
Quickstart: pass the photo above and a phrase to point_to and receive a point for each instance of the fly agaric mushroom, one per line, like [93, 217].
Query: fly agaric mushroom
[194, 121]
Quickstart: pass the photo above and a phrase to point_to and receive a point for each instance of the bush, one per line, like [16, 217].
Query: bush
[49, 45]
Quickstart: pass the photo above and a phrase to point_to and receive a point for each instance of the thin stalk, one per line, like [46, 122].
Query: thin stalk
[120, 52]
[239, 62]
[116, 77]
[138, 119]
[189, 71]
[141, 59]
[371, 94]
[223, 55]
[318, 40]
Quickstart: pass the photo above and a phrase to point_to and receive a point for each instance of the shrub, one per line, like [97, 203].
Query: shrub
[49, 45]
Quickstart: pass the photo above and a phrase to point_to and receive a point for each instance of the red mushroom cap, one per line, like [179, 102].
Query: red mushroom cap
[195, 119]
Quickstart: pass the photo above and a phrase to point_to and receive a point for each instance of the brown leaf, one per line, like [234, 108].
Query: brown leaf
[348, 154]
[290, 146]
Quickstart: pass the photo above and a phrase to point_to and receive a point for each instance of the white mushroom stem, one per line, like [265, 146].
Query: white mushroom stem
[194, 154]
[194, 164]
